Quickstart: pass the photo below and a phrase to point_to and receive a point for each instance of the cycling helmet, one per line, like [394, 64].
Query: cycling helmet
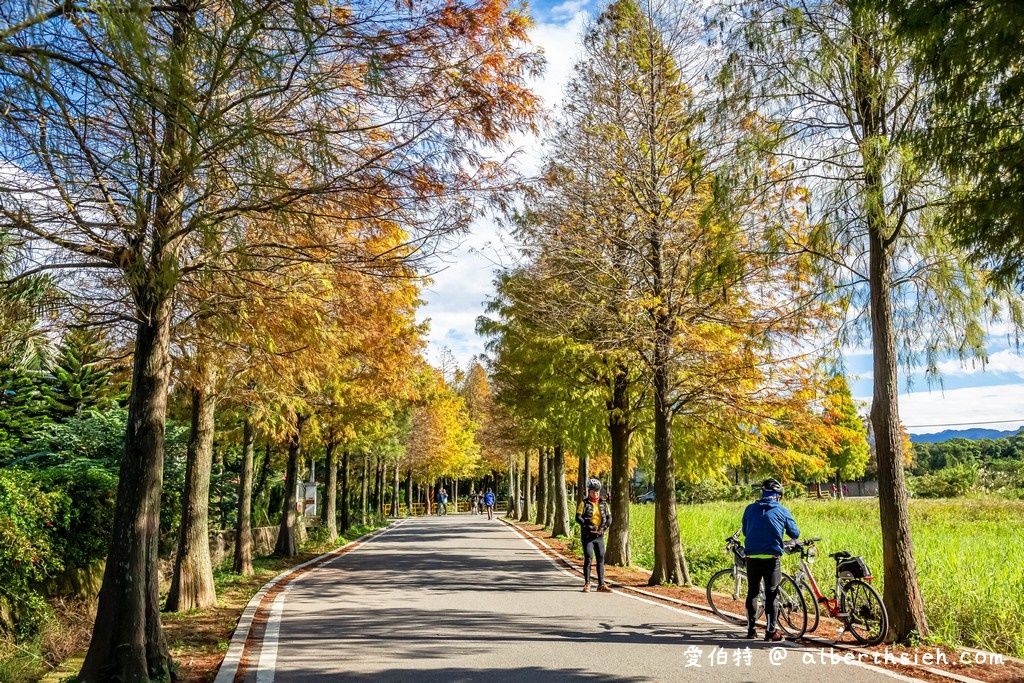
[593, 484]
[771, 486]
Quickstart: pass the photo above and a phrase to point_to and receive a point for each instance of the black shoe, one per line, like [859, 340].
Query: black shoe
[751, 634]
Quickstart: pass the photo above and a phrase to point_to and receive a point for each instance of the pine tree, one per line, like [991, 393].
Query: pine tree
[22, 408]
[81, 377]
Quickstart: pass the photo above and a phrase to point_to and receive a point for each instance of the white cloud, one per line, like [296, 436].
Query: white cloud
[1000, 362]
[925, 412]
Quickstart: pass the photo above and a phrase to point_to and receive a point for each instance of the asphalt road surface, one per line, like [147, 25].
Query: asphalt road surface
[461, 598]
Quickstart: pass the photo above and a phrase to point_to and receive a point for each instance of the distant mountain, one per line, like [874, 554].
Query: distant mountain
[972, 434]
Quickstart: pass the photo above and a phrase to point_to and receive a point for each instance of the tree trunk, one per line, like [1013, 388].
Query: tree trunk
[408, 492]
[396, 500]
[669, 562]
[617, 552]
[549, 490]
[378, 491]
[527, 500]
[514, 507]
[192, 579]
[261, 483]
[346, 502]
[364, 494]
[287, 537]
[582, 474]
[127, 639]
[221, 468]
[128, 642]
[901, 592]
[560, 524]
[329, 512]
[243, 525]
[542, 484]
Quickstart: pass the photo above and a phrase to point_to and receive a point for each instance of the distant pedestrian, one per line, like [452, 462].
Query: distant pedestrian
[594, 516]
[846, 491]
[489, 503]
[835, 491]
[474, 501]
[442, 502]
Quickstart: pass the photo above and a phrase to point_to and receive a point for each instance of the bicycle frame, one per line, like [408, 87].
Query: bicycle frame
[831, 604]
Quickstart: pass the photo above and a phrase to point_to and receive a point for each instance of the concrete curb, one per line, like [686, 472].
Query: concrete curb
[229, 666]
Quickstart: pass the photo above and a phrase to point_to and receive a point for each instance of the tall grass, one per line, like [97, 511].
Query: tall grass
[969, 554]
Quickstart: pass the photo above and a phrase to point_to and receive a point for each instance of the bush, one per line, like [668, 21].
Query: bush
[84, 536]
[28, 555]
[950, 482]
[708, 491]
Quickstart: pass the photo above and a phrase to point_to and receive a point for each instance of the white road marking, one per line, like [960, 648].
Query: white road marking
[267, 667]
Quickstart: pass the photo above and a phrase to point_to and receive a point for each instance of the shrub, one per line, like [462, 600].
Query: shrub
[950, 482]
[28, 515]
[84, 536]
[708, 491]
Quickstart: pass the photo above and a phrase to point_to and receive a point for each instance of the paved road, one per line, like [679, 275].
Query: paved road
[461, 598]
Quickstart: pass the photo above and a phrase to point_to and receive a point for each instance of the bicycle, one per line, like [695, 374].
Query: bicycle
[731, 584]
[854, 601]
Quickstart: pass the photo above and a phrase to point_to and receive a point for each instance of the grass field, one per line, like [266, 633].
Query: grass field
[969, 554]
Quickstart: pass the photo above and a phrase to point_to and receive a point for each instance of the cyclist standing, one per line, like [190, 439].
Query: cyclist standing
[594, 516]
[764, 523]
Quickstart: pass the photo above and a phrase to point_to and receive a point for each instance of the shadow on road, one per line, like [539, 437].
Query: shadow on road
[457, 675]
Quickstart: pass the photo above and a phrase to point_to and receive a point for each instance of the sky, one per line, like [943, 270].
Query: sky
[966, 395]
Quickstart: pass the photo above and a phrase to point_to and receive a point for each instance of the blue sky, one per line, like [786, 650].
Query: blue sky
[969, 395]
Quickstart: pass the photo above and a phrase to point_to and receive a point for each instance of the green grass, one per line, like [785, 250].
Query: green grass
[969, 555]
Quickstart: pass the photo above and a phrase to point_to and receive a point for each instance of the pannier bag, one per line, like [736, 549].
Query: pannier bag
[854, 568]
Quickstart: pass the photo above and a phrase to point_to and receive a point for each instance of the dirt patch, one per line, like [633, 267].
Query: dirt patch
[904, 660]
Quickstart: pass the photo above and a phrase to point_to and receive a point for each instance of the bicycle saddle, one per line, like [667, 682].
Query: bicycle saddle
[841, 555]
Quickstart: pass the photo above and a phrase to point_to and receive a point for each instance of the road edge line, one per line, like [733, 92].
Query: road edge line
[233, 658]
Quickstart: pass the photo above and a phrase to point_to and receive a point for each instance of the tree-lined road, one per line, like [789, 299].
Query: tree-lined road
[460, 598]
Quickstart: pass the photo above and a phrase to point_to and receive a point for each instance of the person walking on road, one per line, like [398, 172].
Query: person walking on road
[474, 501]
[764, 523]
[594, 516]
[489, 503]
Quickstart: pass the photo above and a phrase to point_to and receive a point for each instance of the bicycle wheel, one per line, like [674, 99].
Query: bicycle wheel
[813, 609]
[792, 608]
[864, 612]
[727, 595]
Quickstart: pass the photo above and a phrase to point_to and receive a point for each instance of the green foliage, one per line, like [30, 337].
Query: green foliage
[22, 408]
[97, 436]
[91, 445]
[950, 482]
[81, 377]
[709, 490]
[973, 54]
[848, 453]
[935, 456]
[83, 535]
[28, 553]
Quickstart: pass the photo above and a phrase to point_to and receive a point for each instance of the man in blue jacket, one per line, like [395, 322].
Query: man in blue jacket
[764, 523]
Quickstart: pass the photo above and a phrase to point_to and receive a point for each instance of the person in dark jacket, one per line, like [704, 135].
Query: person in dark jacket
[594, 516]
[764, 523]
